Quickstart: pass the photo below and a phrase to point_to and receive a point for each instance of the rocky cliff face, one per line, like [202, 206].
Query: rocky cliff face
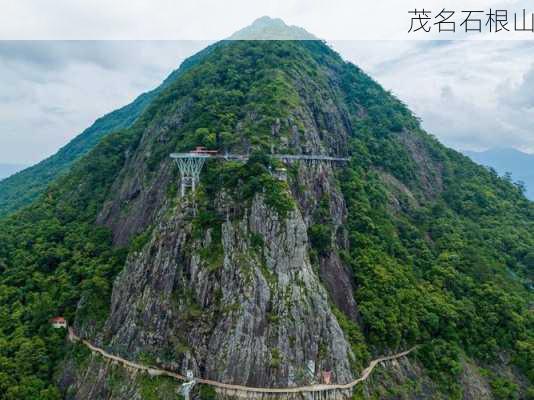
[255, 315]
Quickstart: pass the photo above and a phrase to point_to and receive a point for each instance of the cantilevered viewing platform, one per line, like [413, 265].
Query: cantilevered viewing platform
[190, 164]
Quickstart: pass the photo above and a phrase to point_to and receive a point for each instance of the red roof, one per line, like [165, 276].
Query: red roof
[203, 150]
[58, 319]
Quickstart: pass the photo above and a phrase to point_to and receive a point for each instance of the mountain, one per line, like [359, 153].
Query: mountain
[21, 189]
[266, 28]
[256, 276]
[9, 169]
[520, 165]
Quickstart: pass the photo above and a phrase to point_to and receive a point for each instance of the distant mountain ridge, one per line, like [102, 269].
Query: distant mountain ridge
[266, 28]
[7, 170]
[503, 160]
[22, 188]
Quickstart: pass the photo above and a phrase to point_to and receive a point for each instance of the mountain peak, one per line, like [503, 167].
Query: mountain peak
[267, 28]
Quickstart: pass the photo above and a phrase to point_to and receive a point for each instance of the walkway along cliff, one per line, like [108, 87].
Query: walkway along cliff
[240, 390]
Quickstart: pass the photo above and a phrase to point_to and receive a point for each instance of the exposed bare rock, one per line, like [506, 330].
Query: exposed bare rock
[400, 379]
[429, 169]
[400, 196]
[338, 280]
[475, 386]
[262, 313]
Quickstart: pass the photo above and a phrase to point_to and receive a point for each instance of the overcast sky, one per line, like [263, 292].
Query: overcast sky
[470, 94]
[214, 19]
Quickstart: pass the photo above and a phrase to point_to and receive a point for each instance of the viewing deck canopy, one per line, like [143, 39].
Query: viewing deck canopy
[202, 153]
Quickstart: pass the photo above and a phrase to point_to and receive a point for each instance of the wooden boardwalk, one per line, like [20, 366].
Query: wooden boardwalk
[240, 157]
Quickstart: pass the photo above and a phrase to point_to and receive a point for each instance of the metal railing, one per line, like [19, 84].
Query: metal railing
[190, 164]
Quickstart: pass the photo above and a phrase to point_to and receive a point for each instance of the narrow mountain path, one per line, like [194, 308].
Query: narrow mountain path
[152, 371]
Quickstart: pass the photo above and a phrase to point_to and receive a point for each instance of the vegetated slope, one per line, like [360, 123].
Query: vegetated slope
[509, 161]
[22, 188]
[250, 277]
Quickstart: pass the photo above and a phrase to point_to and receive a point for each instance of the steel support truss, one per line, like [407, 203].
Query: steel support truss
[189, 165]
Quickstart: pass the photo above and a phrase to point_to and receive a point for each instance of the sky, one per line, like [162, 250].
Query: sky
[213, 19]
[471, 94]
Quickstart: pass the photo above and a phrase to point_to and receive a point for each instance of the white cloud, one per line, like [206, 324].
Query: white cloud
[471, 95]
